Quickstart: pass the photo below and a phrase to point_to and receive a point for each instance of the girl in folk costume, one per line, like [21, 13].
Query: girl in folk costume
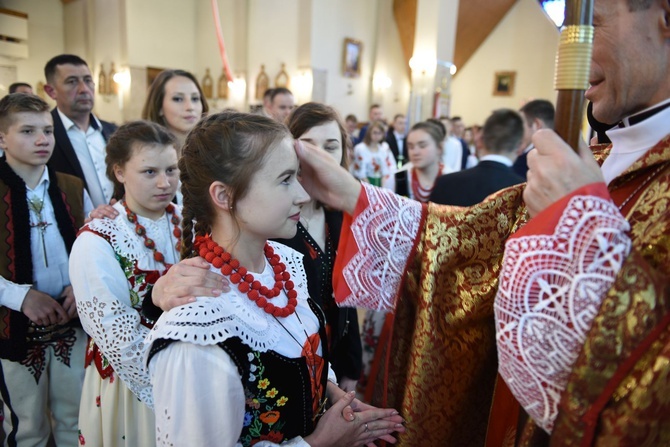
[317, 238]
[113, 262]
[373, 160]
[424, 149]
[415, 180]
[249, 367]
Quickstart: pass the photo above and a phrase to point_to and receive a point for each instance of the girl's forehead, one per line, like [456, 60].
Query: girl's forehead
[280, 155]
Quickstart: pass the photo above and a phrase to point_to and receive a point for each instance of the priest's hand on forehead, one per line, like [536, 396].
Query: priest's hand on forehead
[325, 180]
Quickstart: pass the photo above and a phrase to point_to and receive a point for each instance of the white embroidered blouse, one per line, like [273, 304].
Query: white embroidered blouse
[106, 291]
[199, 395]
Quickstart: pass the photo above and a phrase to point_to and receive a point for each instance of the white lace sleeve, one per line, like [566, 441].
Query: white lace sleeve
[103, 303]
[384, 233]
[551, 287]
[199, 398]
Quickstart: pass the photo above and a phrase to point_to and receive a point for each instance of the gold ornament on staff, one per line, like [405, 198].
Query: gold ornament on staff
[573, 64]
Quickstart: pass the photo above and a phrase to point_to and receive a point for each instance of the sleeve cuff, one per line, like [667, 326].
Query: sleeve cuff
[150, 311]
[14, 295]
[545, 222]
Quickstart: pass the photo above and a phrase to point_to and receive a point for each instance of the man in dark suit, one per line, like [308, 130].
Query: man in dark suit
[395, 137]
[537, 114]
[457, 130]
[376, 114]
[501, 135]
[80, 136]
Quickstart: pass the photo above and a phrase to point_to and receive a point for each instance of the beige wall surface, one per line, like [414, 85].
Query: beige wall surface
[45, 38]
[525, 41]
[305, 35]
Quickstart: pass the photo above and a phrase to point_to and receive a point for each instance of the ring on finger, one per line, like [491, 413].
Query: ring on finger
[366, 427]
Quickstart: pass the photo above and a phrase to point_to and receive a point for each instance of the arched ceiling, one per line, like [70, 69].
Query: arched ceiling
[476, 20]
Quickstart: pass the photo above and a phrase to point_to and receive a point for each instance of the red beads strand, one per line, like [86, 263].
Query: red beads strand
[142, 232]
[245, 281]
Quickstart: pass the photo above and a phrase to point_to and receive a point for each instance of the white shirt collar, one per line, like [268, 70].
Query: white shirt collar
[44, 180]
[498, 158]
[630, 143]
[68, 123]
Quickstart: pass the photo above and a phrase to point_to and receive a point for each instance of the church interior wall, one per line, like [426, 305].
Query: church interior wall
[305, 35]
[525, 41]
[45, 38]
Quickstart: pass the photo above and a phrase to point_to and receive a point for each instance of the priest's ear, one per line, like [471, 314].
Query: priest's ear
[665, 20]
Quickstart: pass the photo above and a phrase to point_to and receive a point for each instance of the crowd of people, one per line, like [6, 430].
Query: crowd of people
[193, 278]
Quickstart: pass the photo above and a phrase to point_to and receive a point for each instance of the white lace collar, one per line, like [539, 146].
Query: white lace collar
[120, 233]
[210, 321]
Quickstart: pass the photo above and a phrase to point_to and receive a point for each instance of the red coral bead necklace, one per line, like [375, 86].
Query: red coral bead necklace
[141, 231]
[245, 281]
[420, 193]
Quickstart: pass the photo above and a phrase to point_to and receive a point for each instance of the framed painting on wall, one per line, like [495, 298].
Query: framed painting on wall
[351, 61]
[503, 83]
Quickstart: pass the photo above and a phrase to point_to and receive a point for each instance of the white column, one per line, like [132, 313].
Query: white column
[434, 42]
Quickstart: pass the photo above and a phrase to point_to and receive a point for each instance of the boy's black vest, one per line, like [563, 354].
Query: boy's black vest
[16, 263]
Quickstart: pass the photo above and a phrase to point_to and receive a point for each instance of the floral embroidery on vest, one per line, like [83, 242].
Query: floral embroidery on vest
[263, 405]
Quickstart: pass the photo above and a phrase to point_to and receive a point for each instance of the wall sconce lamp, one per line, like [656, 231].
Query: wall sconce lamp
[303, 83]
[113, 82]
[381, 81]
[423, 64]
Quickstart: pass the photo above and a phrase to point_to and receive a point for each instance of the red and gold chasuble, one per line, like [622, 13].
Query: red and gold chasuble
[439, 268]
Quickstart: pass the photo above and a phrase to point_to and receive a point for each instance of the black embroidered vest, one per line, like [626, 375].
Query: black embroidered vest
[278, 390]
[66, 194]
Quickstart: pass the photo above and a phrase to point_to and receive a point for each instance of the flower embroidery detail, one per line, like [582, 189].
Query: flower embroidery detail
[263, 384]
[247, 419]
[97, 401]
[82, 440]
[272, 393]
[273, 436]
[282, 401]
[269, 417]
[253, 403]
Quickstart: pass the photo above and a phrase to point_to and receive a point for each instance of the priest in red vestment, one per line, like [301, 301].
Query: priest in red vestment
[582, 305]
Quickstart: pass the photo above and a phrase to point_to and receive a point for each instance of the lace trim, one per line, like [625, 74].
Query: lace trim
[551, 288]
[384, 232]
[120, 234]
[121, 341]
[114, 323]
[210, 321]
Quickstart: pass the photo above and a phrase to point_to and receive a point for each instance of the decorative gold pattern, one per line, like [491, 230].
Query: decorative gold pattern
[573, 59]
[625, 361]
[443, 363]
[443, 367]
